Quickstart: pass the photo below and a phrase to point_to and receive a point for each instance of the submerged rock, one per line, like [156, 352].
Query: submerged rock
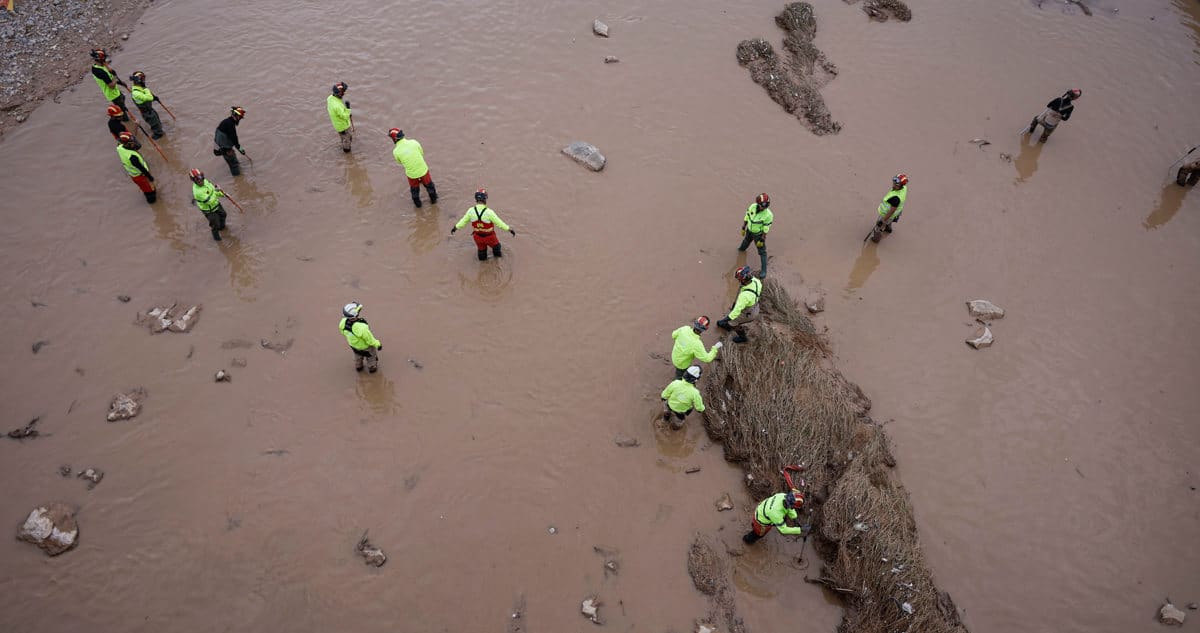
[600, 28]
[590, 608]
[126, 405]
[222, 376]
[51, 528]
[984, 309]
[1171, 616]
[371, 554]
[724, 503]
[92, 475]
[587, 154]
[611, 59]
[982, 338]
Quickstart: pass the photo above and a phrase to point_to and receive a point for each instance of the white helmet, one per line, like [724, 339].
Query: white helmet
[692, 374]
[352, 309]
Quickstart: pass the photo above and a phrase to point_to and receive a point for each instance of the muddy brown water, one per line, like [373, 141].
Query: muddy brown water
[1052, 474]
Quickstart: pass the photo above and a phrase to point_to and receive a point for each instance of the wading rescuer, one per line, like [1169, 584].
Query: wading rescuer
[108, 81]
[1057, 111]
[144, 100]
[135, 165]
[364, 344]
[226, 138]
[208, 200]
[688, 346]
[681, 397]
[411, 156]
[774, 512]
[755, 226]
[891, 207]
[339, 114]
[115, 127]
[745, 306]
[484, 223]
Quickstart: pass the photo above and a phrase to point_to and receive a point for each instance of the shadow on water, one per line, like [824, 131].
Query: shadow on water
[1169, 204]
[423, 232]
[867, 262]
[358, 181]
[1026, 161]
[377, 390]
[244, 265]
[168, 229]
[675, 443]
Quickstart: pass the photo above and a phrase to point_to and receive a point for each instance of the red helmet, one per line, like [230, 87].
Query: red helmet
[481, 195]
[763, 200]
[237, 112]
[196, 175]
[396, 133]
[794, 499]
[125, 137]
[99, 55]
[701, 323]
[743, 274]
[1075, 93]
[115, 111]
[900, 179]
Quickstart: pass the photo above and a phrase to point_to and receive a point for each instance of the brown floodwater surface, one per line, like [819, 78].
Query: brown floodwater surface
[1053, 474]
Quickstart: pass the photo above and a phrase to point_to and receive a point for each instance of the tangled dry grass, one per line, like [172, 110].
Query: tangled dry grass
[778, 400]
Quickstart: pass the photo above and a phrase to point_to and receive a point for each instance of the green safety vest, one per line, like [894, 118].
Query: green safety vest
[408, 153]
[884, 207]
[758, 221]
[207, 198]
[126, 155]
[141, 95]
[109, 93]
[339, 114]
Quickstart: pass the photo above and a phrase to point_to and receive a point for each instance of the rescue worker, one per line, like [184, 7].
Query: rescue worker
[745, 305]
[1057, 111]
[115, 116]
[226, 138]
[411, 156]
[108, 80]
[688, 346]
[484, 222]
[207, 198]
[891, 207]
[1188, 174]
[144, 100]
[364, 344]
[339, 114]
[754, 229]
[773, 512]
[135, 165]
[681, 397]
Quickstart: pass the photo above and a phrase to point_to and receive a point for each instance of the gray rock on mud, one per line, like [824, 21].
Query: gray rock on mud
[590, 608]
[586, 154]
[371, 554]
[626, 442]
[222, 376]
[172, 317]
[611, 59]
[600, 28]
[815, 304]
[724, 503]
[126, 405]
[51, 528]
[982, 338]
[984, 309]
[92, 475]
[1169, 615]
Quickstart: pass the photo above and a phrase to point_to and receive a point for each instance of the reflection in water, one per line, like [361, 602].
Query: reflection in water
[492, 279]
[243, 265]
[249, 196]
[378, 391]
[1168, 205]
[867, 262]
[168, 229]
[1027, 160]
[672, 443]
[423, 232]
[751, 572]
[359, 183]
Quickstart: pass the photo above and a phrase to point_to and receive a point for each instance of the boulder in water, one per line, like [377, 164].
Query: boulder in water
[982, 338]
[1169, 615]
[52, 528]
[587, 154]
[984, 309]
[600, 28]
[126, 405]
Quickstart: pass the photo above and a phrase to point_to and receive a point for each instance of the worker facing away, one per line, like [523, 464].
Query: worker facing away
[144, 100]
[755, 225]
[1057, 111]
[108, 81]
[411, 156]
[207, 197]
[115, 126]
[774, 512]
[135, 165]
[226, 139]
[681, 397]
[745, 305]
[484, 222]
[891, 207]
[689, 348]
[339, 114]
[358, 334]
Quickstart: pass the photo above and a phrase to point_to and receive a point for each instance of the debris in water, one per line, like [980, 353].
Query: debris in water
[907, 608]
[37, 304]
[625, 441]
[92, 475]
[1006, 157]
[692, 469]
[600, 28]
[222, 376]
[124, 298]
[552, 530]
[611, 59]
[126, 405]
[371, 555]
[51, 528]
[611, 564]
[39, 345]
[982, 338]
[984, 309]
[1193, 606]
[25, 431]
[276, 346]
[1171, 616]
[704, 628]
[415, 364]
[162, 318]
[238, 362]
[815, 304]
[724, 503]
[591, 609]
[981, 141]
[277, 452]
[65, 470]
[861, 527]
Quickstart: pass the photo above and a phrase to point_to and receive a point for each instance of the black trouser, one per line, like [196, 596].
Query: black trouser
[119, 101]
[231, 160]
[216, 221]
[1187, 176]
[497, 250]
[429, 187]
[151, 117]
[757, 238]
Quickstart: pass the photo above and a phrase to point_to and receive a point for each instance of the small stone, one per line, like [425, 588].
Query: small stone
[123, 298]
[815, 304]
[65, 470]
[124, 36]
[982, 338]
[984, 309]
[371, 555]
[126, 405]
[21, 118]
[238, 362]
[626, 442]
[552, 530]
[600, 28]
[692, 469]
[587, 154]
[92, 475]
[724, 503]
[590, 608]
[704, 628]
[222, 376]
[1193, 606]
[51, 528]
[611, 59]
[38, 345]
[1171, 616]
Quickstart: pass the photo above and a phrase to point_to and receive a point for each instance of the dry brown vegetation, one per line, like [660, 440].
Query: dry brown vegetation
[777, 400]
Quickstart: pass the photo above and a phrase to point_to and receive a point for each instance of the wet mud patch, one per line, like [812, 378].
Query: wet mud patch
[863, 524]
[710, 572]
[793, 78]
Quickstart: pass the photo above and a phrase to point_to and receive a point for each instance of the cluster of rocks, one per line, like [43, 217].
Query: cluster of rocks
[172, 318]
[984, 312]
